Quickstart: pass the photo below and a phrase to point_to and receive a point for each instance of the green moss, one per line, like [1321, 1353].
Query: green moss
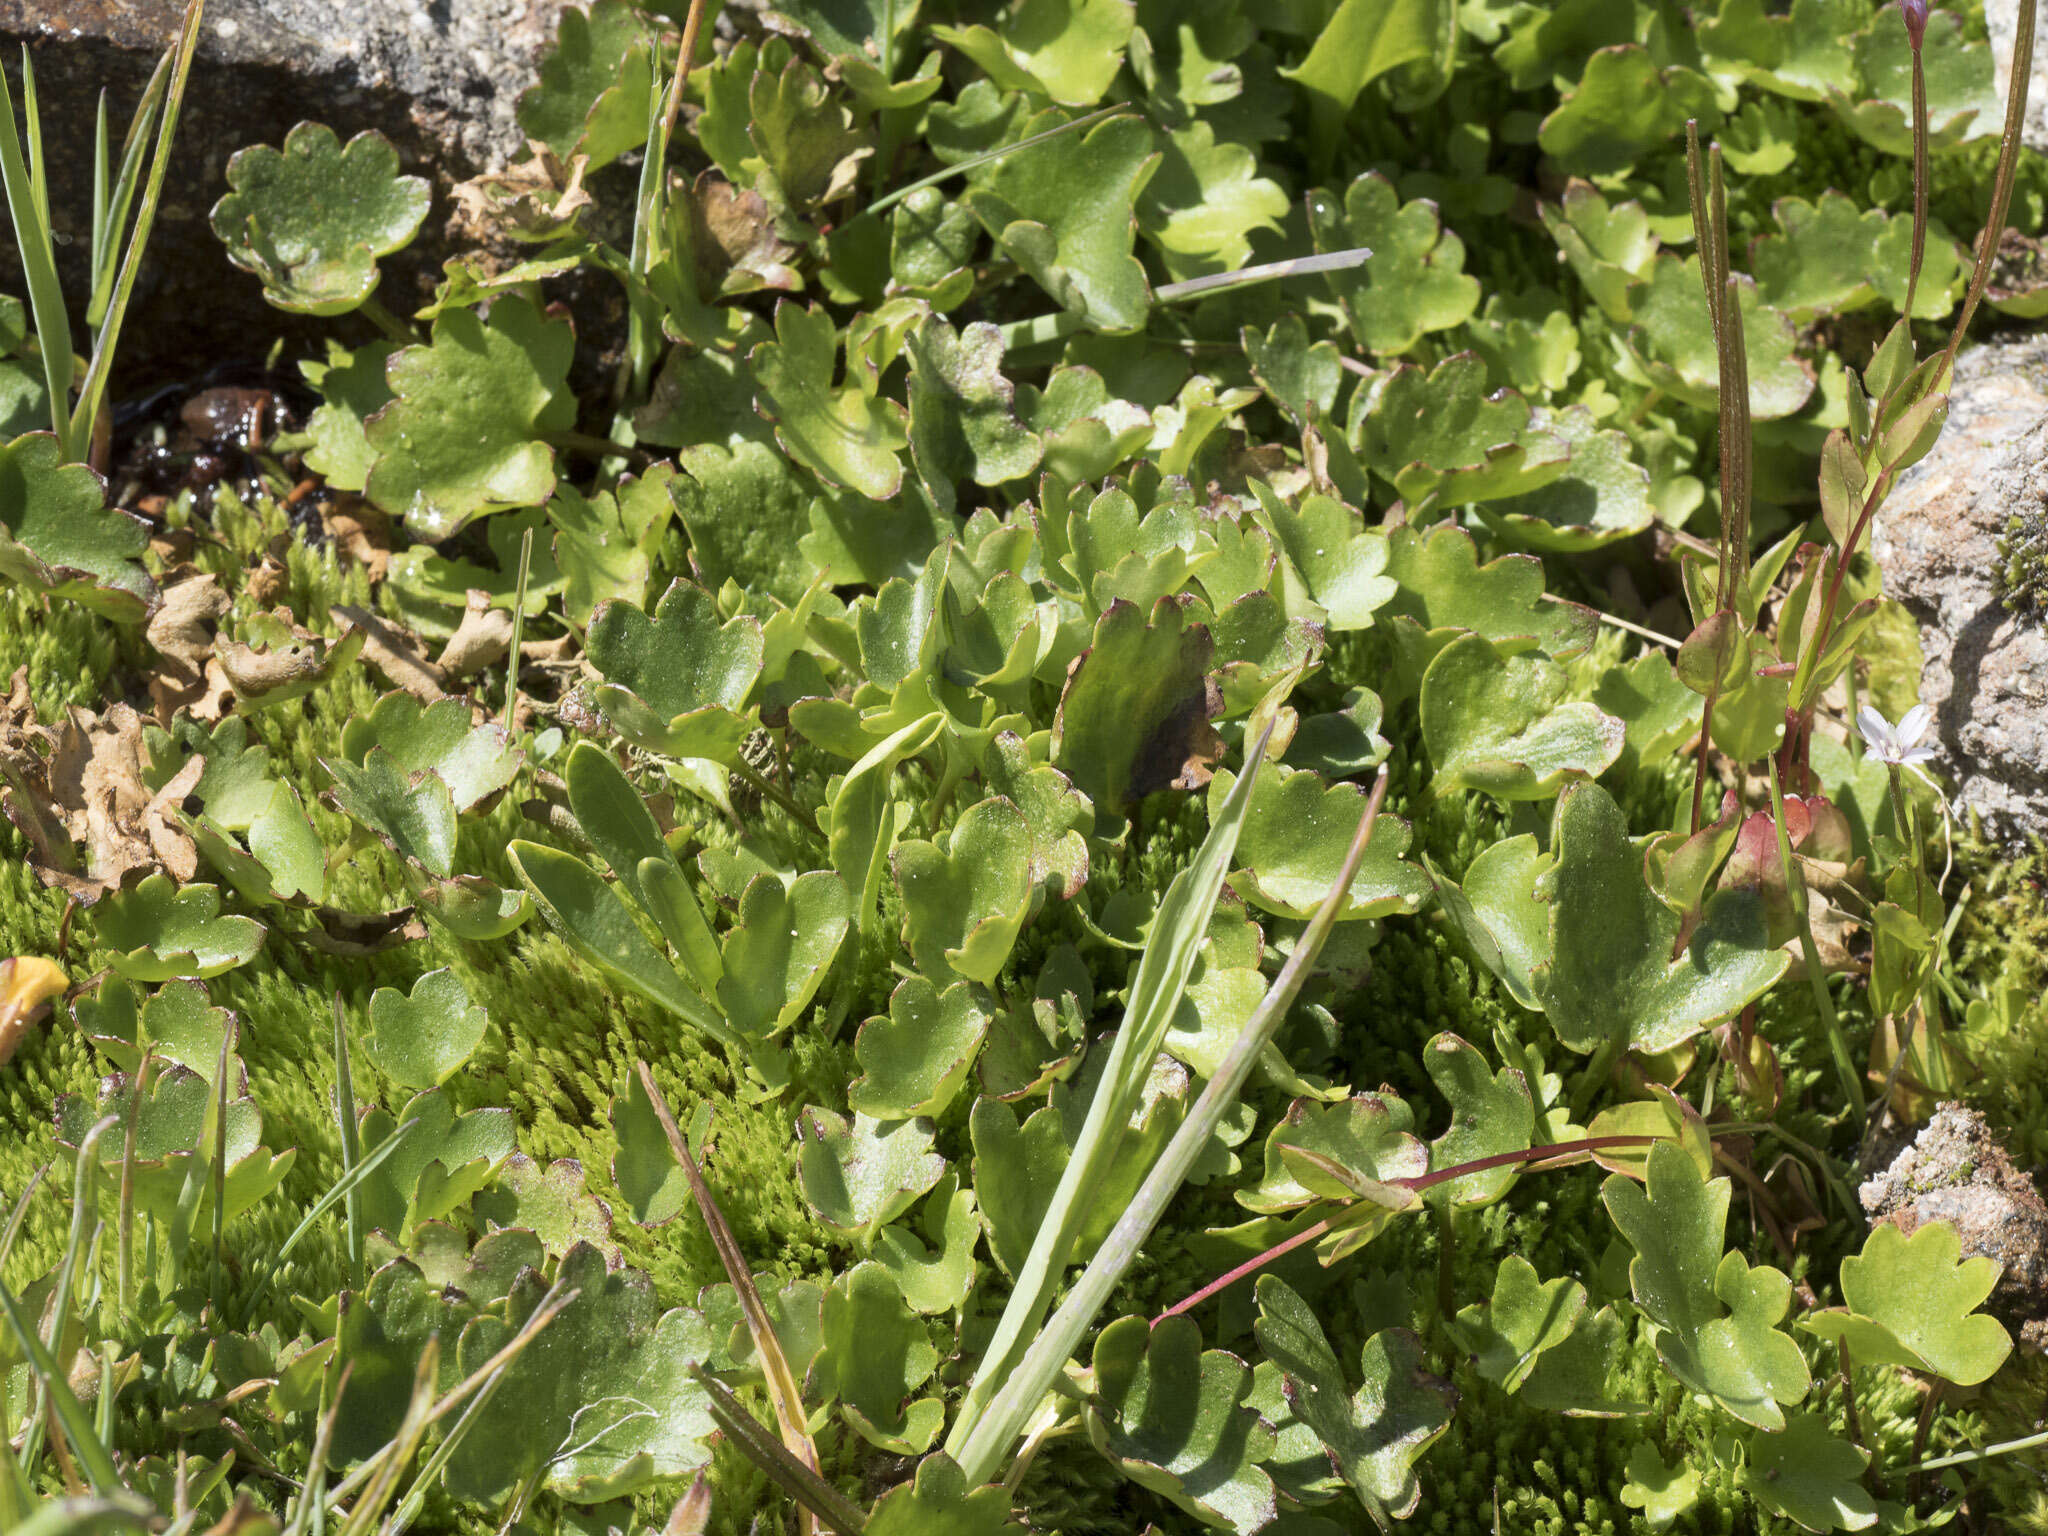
[2023, 547]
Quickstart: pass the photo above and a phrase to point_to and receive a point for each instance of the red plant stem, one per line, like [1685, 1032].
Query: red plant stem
[1249, 1266]
[1417, 1184]
[1919, 179]
[1879, 489]
[1699, 776]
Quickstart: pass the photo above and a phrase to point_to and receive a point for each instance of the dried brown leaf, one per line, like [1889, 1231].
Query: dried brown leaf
[481, 640]
[353, 934]
[182, 631]
[396, 655]
[81, 782]
[735, 232]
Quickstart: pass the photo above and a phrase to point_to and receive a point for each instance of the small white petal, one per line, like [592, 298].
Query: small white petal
[1914, 725]
[1914, 755]
[1874, 727]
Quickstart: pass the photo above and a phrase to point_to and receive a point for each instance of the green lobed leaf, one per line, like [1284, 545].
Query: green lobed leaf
[1366, 1139]
[178, 1130]
[1912, 1302]
[915, 1058]
[1343, 562]
[675, 683]
[605, 544]
[860, 1174]
[158, 930]
[1611, 975]
[421, 1039]
[1297, 831]
[595, 86]
[1172, 1417]
[963, 425]
[311, 219]
[877, 1352]
[1205, 201]
[1810, 1476]
[1602, 497]
[59, 536]
[847, 435]
[1443, 441]
[1497, 912]
[600, 1403]
[777, 953]
[1492, 1114]
[1066, 212]
[1624, 107]
[1714, 1319]
[1662, 1493]
[935, 1278]
[1413, 284]
[446, 1158]
[1673, 341]
[964, 906]
[1527, 1316]
[353, 387]
[1066, 50]
[1372, 1436]
[937, 1502]
[807, 150]
[1500, 723]
[1134, 715]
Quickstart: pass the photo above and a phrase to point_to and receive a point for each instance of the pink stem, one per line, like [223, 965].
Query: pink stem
[1418, 1183]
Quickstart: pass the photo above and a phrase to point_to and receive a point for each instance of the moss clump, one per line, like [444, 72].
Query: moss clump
[2023, 579]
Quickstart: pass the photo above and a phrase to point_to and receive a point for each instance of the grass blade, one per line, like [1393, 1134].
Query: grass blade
[38, 268]
[113, 219]
[316, 1469]
[336, 1192]
[784, 1396]
[351, 1145]
[817, 1496]
[100, 189]
[996, 1430]
[92, 390]
[19, 1215]
[1265, 272]
[124, 1215]
[1155, 992]
[70, 1413]
[84, 1222]
[219, 1159]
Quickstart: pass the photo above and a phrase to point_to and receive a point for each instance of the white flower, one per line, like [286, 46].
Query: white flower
[1897, 744]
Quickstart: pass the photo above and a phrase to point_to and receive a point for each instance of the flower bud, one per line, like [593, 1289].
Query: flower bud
[1915, 14]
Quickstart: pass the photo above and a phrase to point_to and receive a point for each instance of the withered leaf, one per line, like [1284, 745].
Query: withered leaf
[395, 654]
[81, 782]
[480, 640]
[182, 631]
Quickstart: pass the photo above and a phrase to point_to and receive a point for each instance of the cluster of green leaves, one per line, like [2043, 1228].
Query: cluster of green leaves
[1045, 441]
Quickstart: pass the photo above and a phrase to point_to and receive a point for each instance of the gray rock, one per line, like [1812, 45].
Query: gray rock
[1986, 672]
[440, 78]
[2002, 21]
